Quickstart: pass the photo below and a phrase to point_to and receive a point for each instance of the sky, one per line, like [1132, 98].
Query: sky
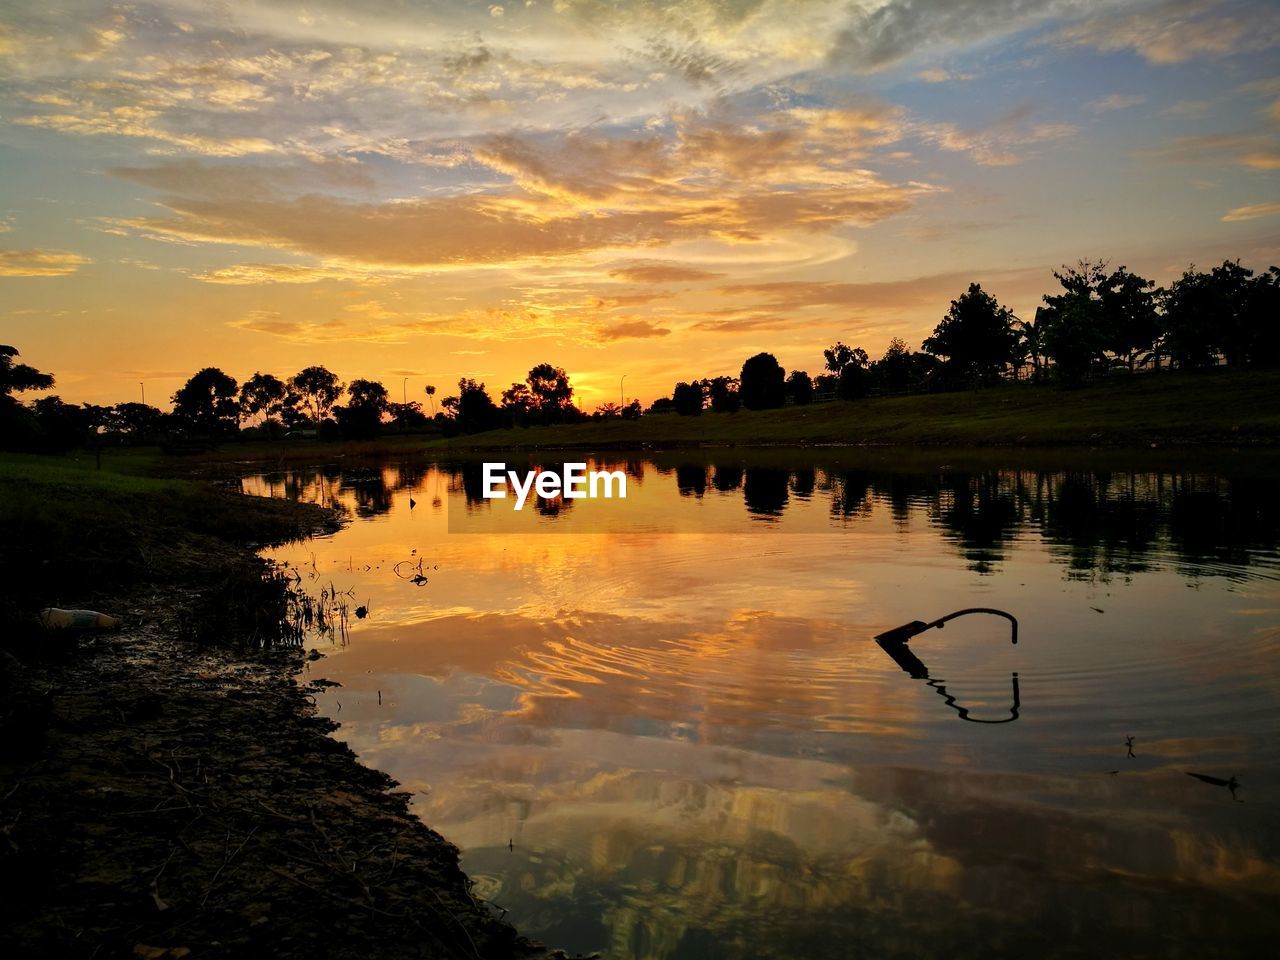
[414, 191]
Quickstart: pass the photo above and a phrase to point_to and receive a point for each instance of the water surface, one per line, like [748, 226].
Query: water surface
[684, 743]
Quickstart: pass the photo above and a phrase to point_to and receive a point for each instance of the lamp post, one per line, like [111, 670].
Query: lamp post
[622, 397]
[404, 390]
[143, 385]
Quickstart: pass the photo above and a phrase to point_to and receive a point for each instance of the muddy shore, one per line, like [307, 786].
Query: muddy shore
[162, 795]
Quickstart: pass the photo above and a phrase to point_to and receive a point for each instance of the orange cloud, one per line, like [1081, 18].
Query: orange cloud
[40, 263]
[659, 271]
[634, 330]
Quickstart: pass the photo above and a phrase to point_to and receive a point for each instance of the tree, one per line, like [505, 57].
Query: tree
[430, 391]
[407, 416]
[208, 403]
[17, 425]
[800, 388]
[1131, 324]
[762, 383]
[473, 409]
[688, 398]
[1075, 328]
[607, 411]
[1030, 345]
[853, 382]
[723, 393]
[1262, 308]
[133, 420]
[1193, 310]
[263, 394]
[518, 403]
[976, 337]
[318, 390]
[894, 370]
[361, 418]
[551, 393]
[18, 377]
[838, 356]
[65, 425]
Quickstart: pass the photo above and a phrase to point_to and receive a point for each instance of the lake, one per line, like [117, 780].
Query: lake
[663, 727]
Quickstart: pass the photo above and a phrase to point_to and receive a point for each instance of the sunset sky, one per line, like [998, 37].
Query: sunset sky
[404, 188]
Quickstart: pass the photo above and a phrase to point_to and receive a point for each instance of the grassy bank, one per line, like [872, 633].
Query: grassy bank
[1225, 407]
[73, 530]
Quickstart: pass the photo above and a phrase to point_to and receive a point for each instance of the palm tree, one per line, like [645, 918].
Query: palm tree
[1031, 343]
[431, 394]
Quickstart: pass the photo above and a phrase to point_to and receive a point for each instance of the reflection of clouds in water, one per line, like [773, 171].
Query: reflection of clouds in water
[692, 742]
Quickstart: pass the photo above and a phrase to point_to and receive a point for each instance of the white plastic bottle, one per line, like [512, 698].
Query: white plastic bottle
[58, 619]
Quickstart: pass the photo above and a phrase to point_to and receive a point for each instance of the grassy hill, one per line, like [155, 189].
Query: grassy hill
[1221, 407]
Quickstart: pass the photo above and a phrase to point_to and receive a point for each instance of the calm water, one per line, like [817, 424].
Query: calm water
[686, 744]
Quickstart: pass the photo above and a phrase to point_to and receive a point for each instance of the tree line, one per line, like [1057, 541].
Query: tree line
[1100, 320]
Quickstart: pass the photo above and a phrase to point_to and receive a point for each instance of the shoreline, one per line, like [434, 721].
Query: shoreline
[162, 795]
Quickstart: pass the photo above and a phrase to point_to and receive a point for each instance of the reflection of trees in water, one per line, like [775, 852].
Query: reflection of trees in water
[764, 490]
[1104, 523]
[727, 477]
[368, 489]
[850, 493]
[803, 481]
[1101, 523]
[980, 512]
[691, 479]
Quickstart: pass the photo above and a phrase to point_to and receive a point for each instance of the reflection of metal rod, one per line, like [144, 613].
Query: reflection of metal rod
[964, 711]
[894, 643]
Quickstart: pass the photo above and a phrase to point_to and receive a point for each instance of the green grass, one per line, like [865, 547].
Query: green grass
[1227, 407]
[73, 532]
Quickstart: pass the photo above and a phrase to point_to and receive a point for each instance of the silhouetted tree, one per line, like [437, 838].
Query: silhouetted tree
[65, 425]
[319, 389]
[1130, 321]
[723, 392]
[263, 394]
[551, 393]
[361, 418]
[17, 425]
[688, 398]
[838, 356]
[976, 337]
[207, 403]
[853, 382]
[800, 387]
[894, 371]
[18, 377]
[607, 411]
[518, 404]
[430, 391]
[1262, 308]
[762, 383]
[473, 409]
[1075, 330]
[407, 416]
[1030, 344]
[136, 421]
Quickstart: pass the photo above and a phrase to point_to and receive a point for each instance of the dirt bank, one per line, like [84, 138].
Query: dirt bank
[166, 789]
